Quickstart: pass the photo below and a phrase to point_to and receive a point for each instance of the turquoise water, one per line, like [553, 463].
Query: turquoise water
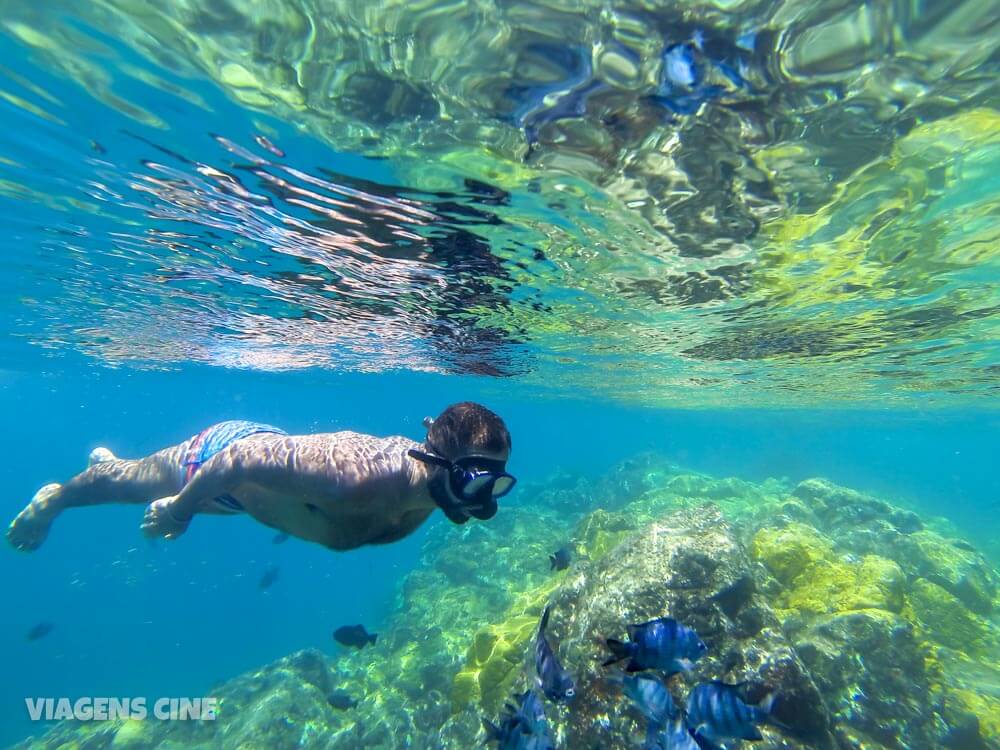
[328, 219]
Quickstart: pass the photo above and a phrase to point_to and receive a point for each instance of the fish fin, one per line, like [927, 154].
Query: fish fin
[545, 620]
[492, 730]
[702, 741]
[752, 733]
[766, 707]
[729, 685]
[619, 650]
[372, 638]
[633, 667]
[552, 561]
[766, 704]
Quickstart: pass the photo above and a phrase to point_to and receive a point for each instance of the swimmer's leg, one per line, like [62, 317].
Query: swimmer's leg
[108, 480]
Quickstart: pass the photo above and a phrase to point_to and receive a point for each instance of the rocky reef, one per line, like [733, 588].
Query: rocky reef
[876, 627]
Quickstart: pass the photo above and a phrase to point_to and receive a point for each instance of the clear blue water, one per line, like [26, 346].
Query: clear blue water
[157, 277]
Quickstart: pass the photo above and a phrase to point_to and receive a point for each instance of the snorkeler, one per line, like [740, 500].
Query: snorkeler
[341, 489]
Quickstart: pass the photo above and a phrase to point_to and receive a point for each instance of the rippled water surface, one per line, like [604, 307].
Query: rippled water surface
[698, 203]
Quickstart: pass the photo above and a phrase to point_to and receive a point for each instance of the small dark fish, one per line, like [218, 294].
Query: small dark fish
[662, 643]
[280, 538]
[555, 682]
[734, 597]
[651, 697]
[354, 635]
[560, 559]
[341, 700]
[716, 711]
[40, 630]
[267, 580]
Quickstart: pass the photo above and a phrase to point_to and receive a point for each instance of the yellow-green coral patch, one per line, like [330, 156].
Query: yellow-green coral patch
[945, 619]
[789, 551]
[834, 586]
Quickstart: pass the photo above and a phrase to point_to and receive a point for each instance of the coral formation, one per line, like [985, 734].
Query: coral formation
[874, 625]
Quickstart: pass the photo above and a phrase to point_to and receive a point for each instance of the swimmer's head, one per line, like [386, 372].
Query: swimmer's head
[466, 429]
[470, 445]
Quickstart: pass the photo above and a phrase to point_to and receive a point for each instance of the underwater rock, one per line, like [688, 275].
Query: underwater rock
[833, 586]
[946, 620]
[675, 566]
[955, 567]
[871, 671]
[790, 551]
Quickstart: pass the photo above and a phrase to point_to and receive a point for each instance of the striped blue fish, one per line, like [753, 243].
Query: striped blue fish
[651, 697]
[662, 643]
[554, 681]
[717, 711]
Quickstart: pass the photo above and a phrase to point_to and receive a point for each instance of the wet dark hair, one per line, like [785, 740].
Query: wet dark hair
[468, 426]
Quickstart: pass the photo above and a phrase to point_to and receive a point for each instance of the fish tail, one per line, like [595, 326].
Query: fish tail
[492, 730]
[545, 621]
[766, 705]
[766, 709]
[619, 650]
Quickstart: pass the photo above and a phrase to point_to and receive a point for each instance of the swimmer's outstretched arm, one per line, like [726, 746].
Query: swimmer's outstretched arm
[169, 516]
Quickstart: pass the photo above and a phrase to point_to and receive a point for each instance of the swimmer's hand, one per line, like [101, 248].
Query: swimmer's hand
[160, 520]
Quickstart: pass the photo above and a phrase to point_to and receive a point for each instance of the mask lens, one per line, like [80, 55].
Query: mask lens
[503, 484]
[477, 484]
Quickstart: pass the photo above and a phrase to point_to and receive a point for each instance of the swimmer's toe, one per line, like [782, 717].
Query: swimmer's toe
[160, 522]
[29, 529]
[100, 456]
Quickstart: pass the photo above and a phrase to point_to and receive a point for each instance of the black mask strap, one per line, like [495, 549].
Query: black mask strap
[429, 458]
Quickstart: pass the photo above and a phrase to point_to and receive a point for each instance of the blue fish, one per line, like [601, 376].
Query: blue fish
[674, 736]
[662, 643]
[716, 711]
[523, 727]
[530, 712]
[560, 559]
[554, 681]
[651, 697]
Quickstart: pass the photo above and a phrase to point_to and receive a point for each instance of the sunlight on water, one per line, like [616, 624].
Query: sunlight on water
[655, 205]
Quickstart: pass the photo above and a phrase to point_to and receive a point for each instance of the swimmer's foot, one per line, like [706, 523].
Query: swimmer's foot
[100, 456]
[160, 521]
[29, 529]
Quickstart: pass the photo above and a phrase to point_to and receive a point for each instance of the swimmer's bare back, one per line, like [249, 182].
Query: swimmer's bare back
[342, 489]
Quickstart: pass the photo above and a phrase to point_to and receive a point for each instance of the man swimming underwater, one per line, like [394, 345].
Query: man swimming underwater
[340, 489]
